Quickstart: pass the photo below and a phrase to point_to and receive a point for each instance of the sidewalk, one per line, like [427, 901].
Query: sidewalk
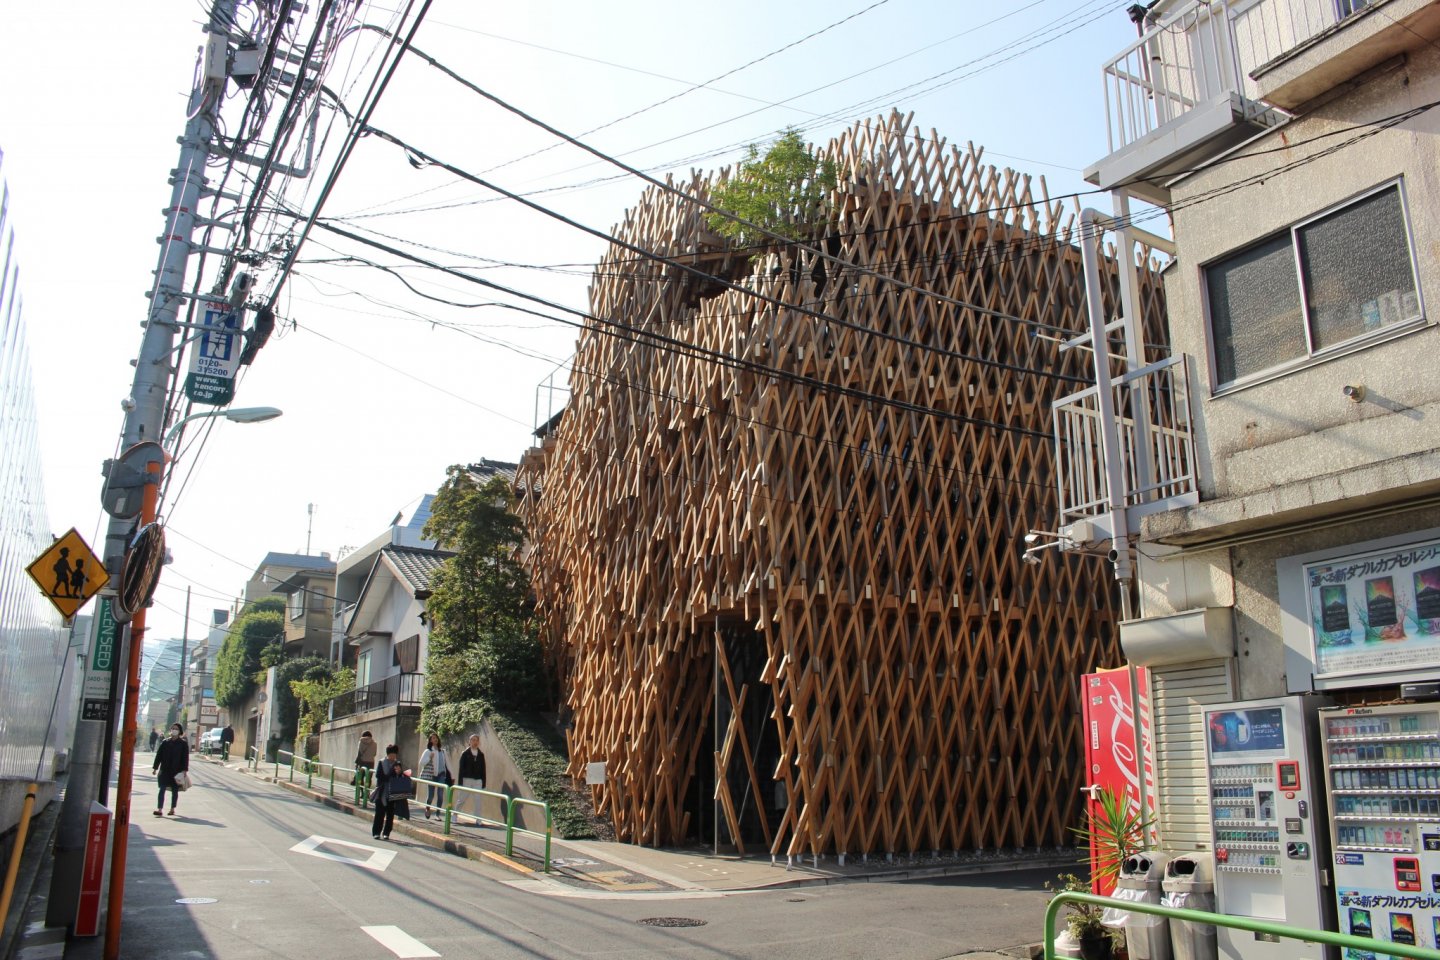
[620, 868]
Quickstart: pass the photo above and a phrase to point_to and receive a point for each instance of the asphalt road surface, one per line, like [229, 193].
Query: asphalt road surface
[281, 876]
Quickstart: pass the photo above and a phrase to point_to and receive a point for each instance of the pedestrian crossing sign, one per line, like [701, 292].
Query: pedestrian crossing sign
[68, 573]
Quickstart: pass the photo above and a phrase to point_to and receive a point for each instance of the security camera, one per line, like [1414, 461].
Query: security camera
[1032, 558]
[1355, 393]
[1032, 538]
[1114, 555]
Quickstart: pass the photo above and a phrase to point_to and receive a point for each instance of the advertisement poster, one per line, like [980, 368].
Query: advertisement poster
[1408, 918]
[1387, 602]
[1110, 761]
[1247, 731]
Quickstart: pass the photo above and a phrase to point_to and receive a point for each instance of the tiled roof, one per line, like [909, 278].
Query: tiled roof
[416, 565]
[486, 469]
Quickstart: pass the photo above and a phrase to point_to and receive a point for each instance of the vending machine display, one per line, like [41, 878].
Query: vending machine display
[1382, 765]
[1267, 816]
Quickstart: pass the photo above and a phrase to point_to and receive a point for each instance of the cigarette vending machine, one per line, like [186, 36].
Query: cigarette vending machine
[1383, 770]
[1268, 824]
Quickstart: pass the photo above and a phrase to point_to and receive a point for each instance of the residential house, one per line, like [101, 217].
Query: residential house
[380, 628]
[1274, 487]
[253, 719]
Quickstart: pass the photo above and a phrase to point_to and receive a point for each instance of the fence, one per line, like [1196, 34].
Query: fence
[1269, 929]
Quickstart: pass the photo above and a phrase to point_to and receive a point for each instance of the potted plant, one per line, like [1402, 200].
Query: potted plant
[1113, 830]
[1082, 920]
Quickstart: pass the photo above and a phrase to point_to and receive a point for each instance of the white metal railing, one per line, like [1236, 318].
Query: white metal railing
[1155, 439]
[1206, 49]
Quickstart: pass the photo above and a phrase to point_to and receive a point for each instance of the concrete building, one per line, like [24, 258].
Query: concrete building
[34, 644]
[1277, 478]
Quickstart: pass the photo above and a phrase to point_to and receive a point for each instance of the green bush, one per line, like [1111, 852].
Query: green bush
[535, 747]
[259, 625]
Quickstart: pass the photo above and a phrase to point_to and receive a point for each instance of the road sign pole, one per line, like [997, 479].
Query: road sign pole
[124, 776]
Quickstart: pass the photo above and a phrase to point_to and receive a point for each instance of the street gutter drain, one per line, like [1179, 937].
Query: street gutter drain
[197, 900]
[671, 922]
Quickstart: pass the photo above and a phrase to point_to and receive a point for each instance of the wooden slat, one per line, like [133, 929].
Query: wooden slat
[923, 678]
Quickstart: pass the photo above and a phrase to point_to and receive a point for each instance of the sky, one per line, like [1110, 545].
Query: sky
[383, 389]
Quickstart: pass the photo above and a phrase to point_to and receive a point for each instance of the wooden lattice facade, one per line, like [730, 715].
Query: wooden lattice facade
[809, 606]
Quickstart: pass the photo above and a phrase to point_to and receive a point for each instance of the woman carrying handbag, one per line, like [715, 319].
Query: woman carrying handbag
[172, 759]
[434, 767]
[393, 790]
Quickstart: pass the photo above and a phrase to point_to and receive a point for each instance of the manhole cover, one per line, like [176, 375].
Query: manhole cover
[259, 881]
[197, 900]
[787, 899]
[671, 922]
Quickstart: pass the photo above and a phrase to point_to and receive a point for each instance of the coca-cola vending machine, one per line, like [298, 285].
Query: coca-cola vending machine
[1114, 746]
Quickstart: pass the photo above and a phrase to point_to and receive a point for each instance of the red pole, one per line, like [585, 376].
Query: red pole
[114, 905]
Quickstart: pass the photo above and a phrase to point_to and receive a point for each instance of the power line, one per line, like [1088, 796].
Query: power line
[636, 335]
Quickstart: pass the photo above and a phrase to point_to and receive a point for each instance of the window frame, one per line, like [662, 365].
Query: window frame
[1312, 356]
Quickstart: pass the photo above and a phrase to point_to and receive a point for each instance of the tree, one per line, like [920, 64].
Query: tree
[286, 705]
[260, 624]
[783, 192]
[483, 645]
[313, 696]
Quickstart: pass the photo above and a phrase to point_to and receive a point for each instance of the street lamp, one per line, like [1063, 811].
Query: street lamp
[235, 415]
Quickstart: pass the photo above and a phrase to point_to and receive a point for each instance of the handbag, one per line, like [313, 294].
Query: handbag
[182, 780]
[401, 787]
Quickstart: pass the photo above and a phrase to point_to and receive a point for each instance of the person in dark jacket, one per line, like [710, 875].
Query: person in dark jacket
[386, 805]
[227, 737]
[171, 758]
[472, 775]
[154, 739]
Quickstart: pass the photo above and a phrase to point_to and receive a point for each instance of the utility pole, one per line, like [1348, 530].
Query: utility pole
[184, 653]
[144, 421]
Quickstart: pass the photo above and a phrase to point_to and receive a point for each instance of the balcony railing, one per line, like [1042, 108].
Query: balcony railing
[1155, 444]
[402, 689]
[1205, 50]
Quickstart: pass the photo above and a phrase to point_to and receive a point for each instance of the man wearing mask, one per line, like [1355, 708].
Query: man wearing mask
[172, 758]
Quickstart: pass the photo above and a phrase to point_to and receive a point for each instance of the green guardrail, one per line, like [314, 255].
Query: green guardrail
[511, 829]
[363, 781]
[476, 814]
[1267, 927]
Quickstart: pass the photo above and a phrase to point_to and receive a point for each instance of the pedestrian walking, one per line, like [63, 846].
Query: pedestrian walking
[227, 737]
[171, 759]
[365, 753]
[393, 790]
[154, 739]
[435, 768]
[472, 774]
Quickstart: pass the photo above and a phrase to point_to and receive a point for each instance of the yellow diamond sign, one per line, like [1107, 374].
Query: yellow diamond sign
[68, 573]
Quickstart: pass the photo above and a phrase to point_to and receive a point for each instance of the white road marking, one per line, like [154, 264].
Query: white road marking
[377, 860]
[399, 942]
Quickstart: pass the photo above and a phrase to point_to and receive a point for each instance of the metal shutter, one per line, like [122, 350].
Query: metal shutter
[1178, 695]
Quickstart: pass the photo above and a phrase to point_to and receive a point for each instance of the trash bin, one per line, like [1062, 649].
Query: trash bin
[1147, 936]
[1190, 884]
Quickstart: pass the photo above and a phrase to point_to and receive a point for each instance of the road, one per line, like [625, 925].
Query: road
[236, 843]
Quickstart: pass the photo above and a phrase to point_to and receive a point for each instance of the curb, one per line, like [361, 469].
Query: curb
[468, 850]
[25, 927]
[472, 851]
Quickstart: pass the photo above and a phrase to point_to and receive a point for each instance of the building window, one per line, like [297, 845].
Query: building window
[297, 604]
[362, 670]
[1327, 283]
[317, 599]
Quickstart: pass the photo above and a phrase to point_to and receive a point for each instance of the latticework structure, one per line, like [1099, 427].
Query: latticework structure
[791, 590]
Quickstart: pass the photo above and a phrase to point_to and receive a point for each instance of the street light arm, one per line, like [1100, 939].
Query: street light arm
[235, 415]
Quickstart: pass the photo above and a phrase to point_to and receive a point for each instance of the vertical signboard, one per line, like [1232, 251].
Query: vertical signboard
[95, 695]
[87, 916]
[214, 358]
[1108, 703]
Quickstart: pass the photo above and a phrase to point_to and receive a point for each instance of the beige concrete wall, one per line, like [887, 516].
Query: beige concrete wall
[1299, 425]
[1258, 642]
